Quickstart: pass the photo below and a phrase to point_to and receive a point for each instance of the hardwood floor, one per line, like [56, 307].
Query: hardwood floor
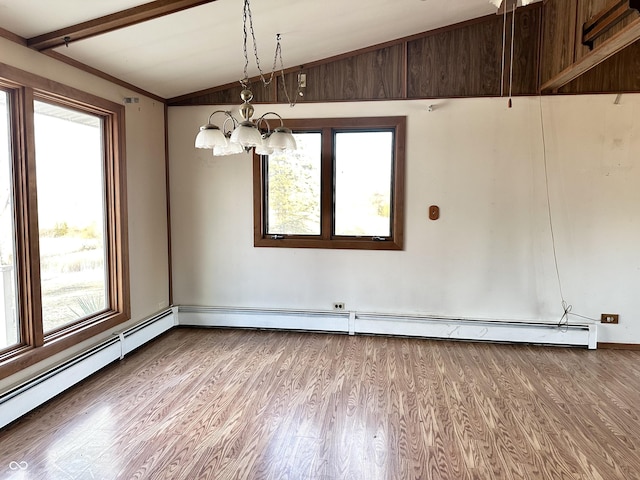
[225, 404]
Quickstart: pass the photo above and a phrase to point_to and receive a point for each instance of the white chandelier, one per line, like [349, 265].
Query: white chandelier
[237, 136]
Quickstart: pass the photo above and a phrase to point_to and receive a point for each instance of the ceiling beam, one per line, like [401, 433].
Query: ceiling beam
[109, 23]
[608, 48]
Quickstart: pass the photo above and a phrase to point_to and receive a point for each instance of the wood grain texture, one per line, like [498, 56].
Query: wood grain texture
[620, 73]
[558, 37]
[223, 404]
[460, 60]
[467, 61]
[375, 75]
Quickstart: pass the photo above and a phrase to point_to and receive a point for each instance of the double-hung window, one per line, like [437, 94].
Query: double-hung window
[63, 237]
[342, 188]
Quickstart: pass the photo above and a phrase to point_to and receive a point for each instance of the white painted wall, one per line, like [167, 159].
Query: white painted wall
[146, 192]
[489, 256]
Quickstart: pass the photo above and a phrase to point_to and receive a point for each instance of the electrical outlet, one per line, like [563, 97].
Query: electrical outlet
[338, 306]
[609, 318]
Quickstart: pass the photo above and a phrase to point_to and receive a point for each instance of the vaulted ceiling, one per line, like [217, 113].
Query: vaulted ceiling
[200, 47]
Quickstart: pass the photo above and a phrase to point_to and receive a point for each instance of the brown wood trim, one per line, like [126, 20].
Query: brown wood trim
[326, 239]
[13, 37]
[399, 41]
[619, 346]
[99, 73]
[616, 43]
[32, 243]
[604, 20]
[168, 201]
[35, 345]
[398, 182]
[327, 185]
[109, 23]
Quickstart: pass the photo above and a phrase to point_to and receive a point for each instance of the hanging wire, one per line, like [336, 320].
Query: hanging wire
[566, 307]
[248, 18]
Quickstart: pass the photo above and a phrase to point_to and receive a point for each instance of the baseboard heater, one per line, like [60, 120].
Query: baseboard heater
[33, 393]
[575, 334]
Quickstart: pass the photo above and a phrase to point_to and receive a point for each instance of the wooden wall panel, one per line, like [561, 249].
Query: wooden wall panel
[368, 76]
[467, 61]
[462, 62]
[229, 95]
[526, 57]
[620, 73]
[558, 37]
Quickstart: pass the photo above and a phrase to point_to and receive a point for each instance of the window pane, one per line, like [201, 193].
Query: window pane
[363, 174]
[293, 188]
[9, 331]
[69, 166]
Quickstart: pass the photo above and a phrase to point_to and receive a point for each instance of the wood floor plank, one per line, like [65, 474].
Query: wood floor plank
[244, 405]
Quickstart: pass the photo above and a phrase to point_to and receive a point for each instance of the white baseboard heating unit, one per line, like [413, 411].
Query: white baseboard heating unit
[576, 334]
[33, 393]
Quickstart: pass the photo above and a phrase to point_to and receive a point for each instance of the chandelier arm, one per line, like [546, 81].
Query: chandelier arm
[226, 112]
[234, 122]
[263, 119]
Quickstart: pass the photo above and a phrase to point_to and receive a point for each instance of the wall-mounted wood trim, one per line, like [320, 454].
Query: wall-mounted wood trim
[607, 49]
[109, 23]
[13, 37]
[619, 346]
[168, 201]
[606, 19]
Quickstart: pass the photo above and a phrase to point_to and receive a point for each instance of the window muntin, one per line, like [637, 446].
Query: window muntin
[9, 328]
[71, 214]
[370, 218]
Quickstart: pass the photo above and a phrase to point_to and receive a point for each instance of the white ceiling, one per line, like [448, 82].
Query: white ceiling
[202, 47]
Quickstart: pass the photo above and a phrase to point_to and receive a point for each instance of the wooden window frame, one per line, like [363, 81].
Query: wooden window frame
[328, 127]
[34, 345]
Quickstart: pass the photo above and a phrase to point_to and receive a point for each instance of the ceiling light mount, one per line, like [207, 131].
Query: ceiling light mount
[245, 134]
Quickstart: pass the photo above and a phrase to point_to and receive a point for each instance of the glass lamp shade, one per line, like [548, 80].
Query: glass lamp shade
[247, 135]
[210, 136]
[282, 140]
[228, 149]
[264, 148]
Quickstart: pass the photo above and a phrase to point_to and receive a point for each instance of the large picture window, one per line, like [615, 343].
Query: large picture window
[342, 188]
[63, 243]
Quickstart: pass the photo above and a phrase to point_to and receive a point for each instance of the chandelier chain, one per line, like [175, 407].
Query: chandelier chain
[245, 81]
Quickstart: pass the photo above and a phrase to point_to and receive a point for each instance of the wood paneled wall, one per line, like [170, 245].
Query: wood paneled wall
[620, 73]
[462, 60]
[558, 37]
